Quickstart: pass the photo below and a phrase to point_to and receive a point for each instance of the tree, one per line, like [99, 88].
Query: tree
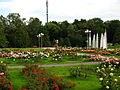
[61, 42]
[75, 37]
[67, 42]
[16, 31]
[21, 37]
[96, 25]
[3, 41]
[54, 32]
[34, 28]
[112, 28]
[63, 26]
[116, 39]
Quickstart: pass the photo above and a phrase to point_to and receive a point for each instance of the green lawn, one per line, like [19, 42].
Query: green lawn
[17, 79]
[89, 83]
[40, 61]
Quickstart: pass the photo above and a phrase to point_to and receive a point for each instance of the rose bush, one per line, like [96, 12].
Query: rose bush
[96, 58]
[77, 72]
[108, 74]
[40, 79]
[5, 84]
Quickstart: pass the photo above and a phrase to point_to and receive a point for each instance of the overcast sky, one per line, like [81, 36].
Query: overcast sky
[61, 10]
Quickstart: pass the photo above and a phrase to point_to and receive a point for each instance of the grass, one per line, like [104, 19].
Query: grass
[16, 49]
[89, 83]
[114, 46]
[40, 61]
[17, 79]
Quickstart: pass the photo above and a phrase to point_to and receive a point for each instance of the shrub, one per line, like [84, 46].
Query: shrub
[40, 79]
[5, 84]
[76, 72]
[95, 58]
[108, 76]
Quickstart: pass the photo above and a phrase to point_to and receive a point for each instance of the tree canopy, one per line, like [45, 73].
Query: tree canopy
[18, 32]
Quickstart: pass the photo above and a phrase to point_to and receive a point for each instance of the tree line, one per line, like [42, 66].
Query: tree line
[16, 32]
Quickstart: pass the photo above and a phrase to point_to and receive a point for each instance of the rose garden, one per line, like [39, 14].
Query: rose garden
[78, 69]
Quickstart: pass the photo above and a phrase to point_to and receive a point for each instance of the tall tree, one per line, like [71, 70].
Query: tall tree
[54, 32]
[96, 25]
[16, 31]
[112, 28]
[3, 41]
[34, 28]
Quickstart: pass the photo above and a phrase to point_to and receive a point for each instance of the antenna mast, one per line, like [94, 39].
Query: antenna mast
[47, 10]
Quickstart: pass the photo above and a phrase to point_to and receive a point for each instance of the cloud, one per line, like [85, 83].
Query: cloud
[60, 10]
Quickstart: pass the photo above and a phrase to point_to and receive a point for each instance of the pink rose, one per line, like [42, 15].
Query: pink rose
[1, 74]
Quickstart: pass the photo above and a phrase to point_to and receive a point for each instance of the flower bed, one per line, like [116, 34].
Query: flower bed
[5, 84]
[40, 79]
[95, 58]
[94, 51]
[108, 74]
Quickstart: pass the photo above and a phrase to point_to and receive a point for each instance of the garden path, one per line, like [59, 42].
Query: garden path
[54, 65]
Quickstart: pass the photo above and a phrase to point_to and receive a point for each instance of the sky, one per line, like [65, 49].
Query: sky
[61, 10]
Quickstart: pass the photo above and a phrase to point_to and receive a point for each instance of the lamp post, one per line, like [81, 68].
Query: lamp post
[40, 37]
[88, 32]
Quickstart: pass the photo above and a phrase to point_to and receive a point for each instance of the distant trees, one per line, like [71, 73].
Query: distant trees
[113, 31]
[3, 40]
[17, 32]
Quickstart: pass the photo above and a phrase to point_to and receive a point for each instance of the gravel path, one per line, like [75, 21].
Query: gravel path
[55, 65]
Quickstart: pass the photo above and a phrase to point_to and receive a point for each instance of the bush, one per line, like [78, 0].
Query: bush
[95, 58]
[108, 75]
[5, 84]
[76, 72]
[41, 79]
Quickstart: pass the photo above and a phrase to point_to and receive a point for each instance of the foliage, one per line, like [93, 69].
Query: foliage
[108, 74]
[77, 72]
[95, 58]
[18, 32]
[57, 54]
[3, 40]
[41, 79]
[5, 84]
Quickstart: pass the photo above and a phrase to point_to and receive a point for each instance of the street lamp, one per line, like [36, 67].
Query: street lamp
[88, 32]
[40, 37]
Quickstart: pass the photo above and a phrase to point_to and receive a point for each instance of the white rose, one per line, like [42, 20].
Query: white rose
[97, 67]
[111, 74]
[107, 87]
[110, 66]
[98, 70]
[115, 80]
[101, 79]
[104, 65]
[103, 68]
[111, 69]
[1, 61]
